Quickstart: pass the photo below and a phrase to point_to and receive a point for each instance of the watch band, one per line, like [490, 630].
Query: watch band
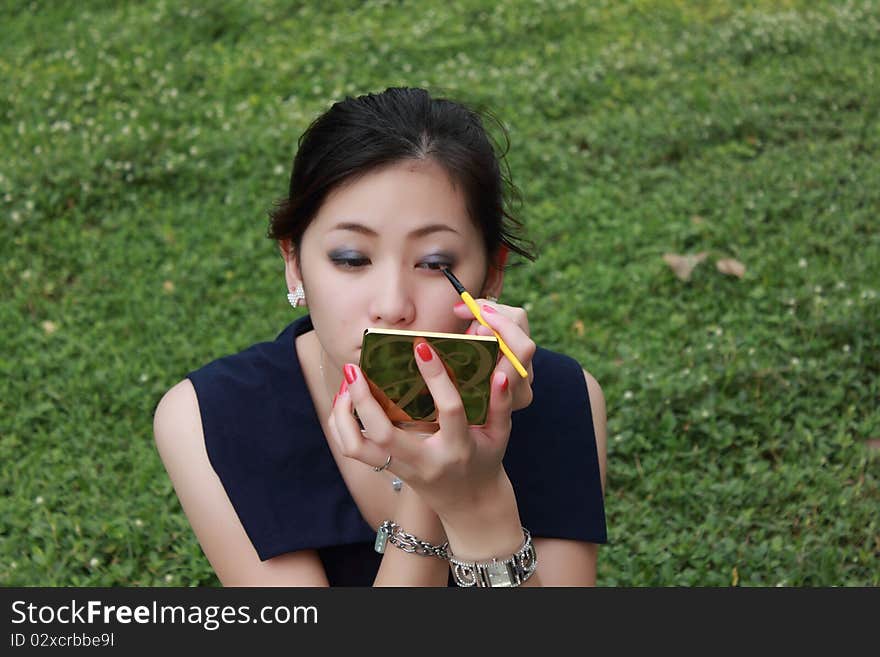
[510, 571]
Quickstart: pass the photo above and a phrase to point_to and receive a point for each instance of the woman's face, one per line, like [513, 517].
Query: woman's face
[372, 256]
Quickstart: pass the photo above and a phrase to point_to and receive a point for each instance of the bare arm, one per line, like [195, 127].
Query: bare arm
[400, 568]
[177, 429]
[493, 528]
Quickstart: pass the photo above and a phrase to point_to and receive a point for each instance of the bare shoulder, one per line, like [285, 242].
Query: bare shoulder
[600, 421]
[180, 440]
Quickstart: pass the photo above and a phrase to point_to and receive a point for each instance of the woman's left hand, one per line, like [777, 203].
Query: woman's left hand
[512, 324]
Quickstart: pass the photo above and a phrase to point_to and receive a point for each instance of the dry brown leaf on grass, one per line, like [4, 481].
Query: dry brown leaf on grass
[731, 267]
[578, 327]
[683, 265]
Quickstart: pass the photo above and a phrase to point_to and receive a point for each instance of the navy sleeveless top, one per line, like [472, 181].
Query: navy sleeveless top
[265, 442]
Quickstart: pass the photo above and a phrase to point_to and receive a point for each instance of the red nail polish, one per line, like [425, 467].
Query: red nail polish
[424, 351]
[343, 387]
[350, 373]
[460, 305]
[504, 383]
[488, 309]
[335, 397]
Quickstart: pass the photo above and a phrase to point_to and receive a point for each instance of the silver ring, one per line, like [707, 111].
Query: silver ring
[383, 466]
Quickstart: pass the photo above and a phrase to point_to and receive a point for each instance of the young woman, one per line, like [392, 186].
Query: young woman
[280, 483]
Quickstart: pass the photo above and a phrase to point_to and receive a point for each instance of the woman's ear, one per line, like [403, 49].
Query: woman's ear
[495, 275]
[292, 273]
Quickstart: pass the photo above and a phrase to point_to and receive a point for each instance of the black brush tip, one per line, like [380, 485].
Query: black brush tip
[452, 279]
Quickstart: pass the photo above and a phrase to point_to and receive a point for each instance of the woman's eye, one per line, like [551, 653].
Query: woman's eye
[436, 265]
[350, 263]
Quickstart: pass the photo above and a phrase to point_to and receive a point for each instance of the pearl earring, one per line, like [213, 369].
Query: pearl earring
[296, 296]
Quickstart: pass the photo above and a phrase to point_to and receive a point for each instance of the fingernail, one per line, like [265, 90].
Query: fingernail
[424, 351]
[350, 373]
[504, 382]
[343, 387]
[335, 397]
[460, 305]
[488, 309]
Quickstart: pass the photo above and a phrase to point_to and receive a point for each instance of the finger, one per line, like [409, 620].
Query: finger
[377, 426]
[447, 400]
[461, 310]
[498, 420]
[378, 430]
[516, 339]
[349, 438]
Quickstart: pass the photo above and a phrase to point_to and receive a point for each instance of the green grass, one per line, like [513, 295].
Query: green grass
[143, 144]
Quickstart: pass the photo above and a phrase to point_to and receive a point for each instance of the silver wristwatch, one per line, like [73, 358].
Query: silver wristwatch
[511, 571]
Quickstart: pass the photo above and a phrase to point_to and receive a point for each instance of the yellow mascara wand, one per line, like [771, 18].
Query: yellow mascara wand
[475, 309]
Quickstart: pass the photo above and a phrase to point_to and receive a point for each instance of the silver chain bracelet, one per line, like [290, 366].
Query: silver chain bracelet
[391, 532]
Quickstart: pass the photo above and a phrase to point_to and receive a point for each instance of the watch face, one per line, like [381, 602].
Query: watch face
[499, 574]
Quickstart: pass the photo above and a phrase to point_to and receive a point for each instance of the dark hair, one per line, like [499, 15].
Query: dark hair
[359, 135]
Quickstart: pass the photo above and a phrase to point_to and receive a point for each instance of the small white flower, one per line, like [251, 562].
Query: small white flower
[39, 499]
[709, 346]
[818, 289]
[704, 413]
[628, 394]
[193, 150]
[278, 170]
[13, 565]
[802, 263]
[846, 348]
[144, 378]
[719, 331]
[795, 361]
[751, 351]
[618, 437]
[841, 285]
[169, 578]
[94, 562]
[138, 522]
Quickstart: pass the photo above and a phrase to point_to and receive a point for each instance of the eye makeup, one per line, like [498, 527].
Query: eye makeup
[349, 259]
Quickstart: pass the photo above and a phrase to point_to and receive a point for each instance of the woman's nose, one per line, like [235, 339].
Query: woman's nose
[393, 303]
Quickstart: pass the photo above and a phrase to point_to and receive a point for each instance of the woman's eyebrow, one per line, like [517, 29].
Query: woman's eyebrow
[418, 232]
